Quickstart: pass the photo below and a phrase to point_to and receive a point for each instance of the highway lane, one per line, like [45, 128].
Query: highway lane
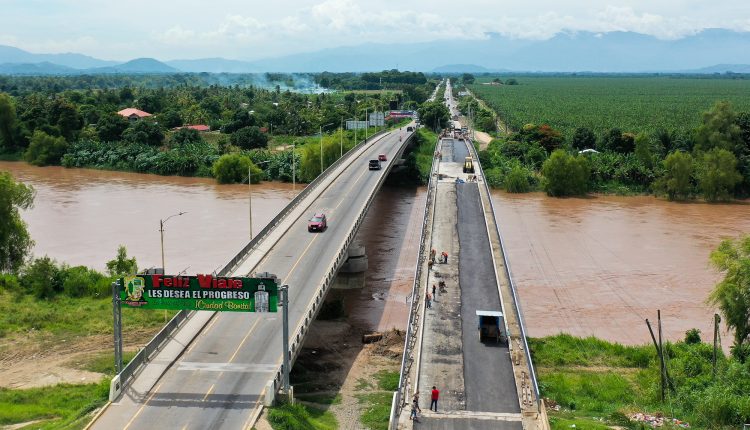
[219, 380]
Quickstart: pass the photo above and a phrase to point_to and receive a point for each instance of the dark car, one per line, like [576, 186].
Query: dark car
[382, 157]
[374, 165]
[317, 223]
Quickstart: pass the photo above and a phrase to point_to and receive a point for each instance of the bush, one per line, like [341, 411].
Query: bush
[42, 278]
[693, 336]
[80, 281]
[676, 181]
[717, 174]
[249, 138]
[565, 174]
[517, 180]
[45, 150]
[232, 168]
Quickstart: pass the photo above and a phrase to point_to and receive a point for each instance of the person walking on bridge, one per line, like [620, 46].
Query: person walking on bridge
[435, 396]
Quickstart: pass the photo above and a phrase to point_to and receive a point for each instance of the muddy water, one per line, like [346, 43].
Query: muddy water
[80, 216]
[602, 265]
[391, 235]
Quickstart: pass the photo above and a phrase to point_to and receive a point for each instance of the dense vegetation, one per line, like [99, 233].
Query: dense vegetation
[72, 121]
[632, 104]
[597, 383]
[709, 160]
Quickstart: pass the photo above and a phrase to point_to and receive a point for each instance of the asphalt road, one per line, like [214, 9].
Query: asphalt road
[219, 379]
[488, 373]
[466, 424]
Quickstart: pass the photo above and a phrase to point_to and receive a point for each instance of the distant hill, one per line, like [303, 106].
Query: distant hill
[139, 65]
[463, 68]
[9, 54]
[44, 68]
[213, 65]
[724, 68]
[624, 52]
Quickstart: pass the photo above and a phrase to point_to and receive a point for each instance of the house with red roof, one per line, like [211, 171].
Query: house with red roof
[133, 114]
[196, 127]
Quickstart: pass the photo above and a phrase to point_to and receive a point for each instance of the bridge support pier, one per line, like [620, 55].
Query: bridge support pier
[357, 259]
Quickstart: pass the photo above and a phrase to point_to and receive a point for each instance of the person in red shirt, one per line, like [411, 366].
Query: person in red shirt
[435, 396]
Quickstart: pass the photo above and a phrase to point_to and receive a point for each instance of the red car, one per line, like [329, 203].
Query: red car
[317, 223]
[382, 157]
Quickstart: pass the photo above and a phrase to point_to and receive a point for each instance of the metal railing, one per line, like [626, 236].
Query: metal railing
[409, 341]
[509, 274]
[158, 341]
[297, 339]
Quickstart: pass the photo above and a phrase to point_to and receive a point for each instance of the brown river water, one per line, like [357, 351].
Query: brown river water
[601, 265]
[596, 266]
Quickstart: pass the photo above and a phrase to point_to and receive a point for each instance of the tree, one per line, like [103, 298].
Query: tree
[719, 129]
[7, 121]
[616, 141]
[184, 136]
[121, 265]
[717, 174]
[45, 150]
[111, 127]
[678, 172]
[233, 168]
[434, 114]
[144, 131]
[565, 174]
[15, 241]
[467, 78]
[42, 277]
[643, 151]
[249, 138]
[732, 294]
[583, 138]
[511, 81]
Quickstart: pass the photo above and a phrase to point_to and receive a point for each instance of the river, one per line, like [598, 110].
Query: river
[595, 266]
[600, 266]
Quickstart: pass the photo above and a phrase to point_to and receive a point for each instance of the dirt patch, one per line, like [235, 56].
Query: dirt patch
[37, 360]
[334, 361]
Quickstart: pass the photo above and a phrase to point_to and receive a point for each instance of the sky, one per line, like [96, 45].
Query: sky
[252, 29]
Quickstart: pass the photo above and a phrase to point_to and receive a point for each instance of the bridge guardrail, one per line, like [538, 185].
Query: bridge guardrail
[406, 363]
[508, 272]
[295, 340]
[157, 342]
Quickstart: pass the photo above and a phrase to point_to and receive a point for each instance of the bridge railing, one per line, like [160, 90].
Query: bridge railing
[409, 341]
[158, 341]
[296, 339]
[516, 303]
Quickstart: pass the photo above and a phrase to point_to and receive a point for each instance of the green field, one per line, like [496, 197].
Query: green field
[633, 104]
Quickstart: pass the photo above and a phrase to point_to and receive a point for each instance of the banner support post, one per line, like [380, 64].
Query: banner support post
[117, 319]
[285, 335]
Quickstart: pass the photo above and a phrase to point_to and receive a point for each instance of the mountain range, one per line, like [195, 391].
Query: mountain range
[709, 51]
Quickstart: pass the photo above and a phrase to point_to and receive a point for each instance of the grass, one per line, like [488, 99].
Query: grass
[597, 383]
[424, 152]
[300, 417]
[65, 317]
[634, 104]
[321, 399]
[62, 406]
[103, 362]
[363, 384]
[387, 380]
[377, 410]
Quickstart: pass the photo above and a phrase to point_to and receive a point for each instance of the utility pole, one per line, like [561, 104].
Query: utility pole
[117, 314]
[717, 320]
[285, 336]
[661, 358]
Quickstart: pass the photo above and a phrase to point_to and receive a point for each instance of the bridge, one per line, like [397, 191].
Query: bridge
[217, 370]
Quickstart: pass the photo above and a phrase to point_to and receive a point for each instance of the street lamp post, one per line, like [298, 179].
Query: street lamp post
[250, 196]
[321, 146]
[341, 137]
[294, 166]
[161, 231]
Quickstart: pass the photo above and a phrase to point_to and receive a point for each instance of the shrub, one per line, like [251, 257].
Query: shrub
[565, 174]
[45, 150]
[249, 138]
[233, 168]
[717, 174]
[517, 180]
[42, 277]
[678, 172]
[693, 336]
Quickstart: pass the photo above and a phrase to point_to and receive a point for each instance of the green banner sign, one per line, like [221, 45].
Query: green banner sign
[200, 293]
